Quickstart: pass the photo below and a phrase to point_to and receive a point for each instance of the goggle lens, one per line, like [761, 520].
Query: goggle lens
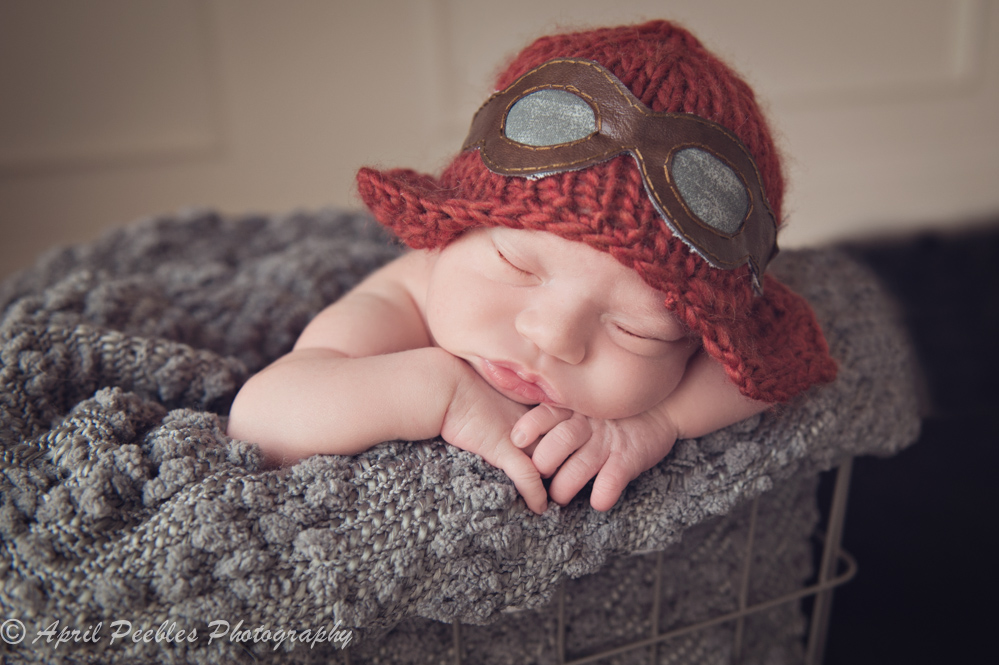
[549, 117]
[710, 189]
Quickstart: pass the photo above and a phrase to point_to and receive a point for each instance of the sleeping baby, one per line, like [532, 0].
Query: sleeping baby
[586, 283]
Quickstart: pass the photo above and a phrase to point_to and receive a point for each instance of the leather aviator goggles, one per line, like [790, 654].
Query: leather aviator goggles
[568, 114]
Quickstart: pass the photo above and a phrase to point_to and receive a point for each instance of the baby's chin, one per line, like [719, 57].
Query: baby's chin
[611, 411]
[596, 413]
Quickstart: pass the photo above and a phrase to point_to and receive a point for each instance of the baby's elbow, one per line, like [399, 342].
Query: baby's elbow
[273, 452]
[248, 422]
[239, 425]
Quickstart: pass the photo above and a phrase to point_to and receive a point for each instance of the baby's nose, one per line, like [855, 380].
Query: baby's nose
[557, 331]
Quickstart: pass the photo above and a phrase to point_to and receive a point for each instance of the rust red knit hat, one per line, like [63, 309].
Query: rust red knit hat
[769, 342]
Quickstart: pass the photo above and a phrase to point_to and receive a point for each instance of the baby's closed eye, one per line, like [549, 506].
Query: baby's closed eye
[649, 340]
[510, 263]
[632, 333]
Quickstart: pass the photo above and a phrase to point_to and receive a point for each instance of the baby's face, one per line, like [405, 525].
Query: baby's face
[544, 319]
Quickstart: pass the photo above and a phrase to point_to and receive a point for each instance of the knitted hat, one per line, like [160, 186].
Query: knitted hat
[764, 335]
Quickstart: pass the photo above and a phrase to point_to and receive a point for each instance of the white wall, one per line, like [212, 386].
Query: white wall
[115, 109]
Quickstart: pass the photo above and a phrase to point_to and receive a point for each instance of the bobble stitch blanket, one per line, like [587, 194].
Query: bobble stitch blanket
[122, 499]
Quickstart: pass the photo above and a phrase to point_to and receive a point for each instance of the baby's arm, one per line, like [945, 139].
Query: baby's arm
[616, 451]
[364, 372]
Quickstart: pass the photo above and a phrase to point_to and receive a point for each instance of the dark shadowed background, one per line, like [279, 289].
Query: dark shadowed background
[922, 525]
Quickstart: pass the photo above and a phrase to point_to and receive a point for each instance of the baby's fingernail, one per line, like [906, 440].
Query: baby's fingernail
[519, 438]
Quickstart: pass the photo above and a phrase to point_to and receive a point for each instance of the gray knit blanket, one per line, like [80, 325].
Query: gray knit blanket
[126, 511]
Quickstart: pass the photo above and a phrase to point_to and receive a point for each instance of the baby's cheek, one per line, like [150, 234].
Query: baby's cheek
[626, 389]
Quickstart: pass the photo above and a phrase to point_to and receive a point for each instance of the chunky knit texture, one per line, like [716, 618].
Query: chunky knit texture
[770, 345]
[121, 497]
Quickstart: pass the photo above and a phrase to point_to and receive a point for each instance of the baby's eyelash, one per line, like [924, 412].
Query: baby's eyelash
[507, 261]
[628, 332]
[650, 337]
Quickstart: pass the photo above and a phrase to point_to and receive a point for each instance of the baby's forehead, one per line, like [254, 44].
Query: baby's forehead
[598, 267]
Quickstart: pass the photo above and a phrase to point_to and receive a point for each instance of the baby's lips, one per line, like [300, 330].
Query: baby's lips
[510, 378]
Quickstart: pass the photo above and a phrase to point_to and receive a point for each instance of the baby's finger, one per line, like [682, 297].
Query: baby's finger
[519, 468]
[575, 473]
[563, 440]
[609, 484]
[536, 422]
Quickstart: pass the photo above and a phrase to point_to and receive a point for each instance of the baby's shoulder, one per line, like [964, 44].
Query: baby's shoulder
[384, 313]
[408, 275]
[415, 263]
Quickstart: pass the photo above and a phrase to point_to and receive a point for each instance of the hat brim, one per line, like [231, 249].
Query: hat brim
[422, 212]
[773, 352]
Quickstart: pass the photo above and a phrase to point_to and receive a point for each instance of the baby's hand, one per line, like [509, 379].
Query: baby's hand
[479, 420]
[577, 448]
